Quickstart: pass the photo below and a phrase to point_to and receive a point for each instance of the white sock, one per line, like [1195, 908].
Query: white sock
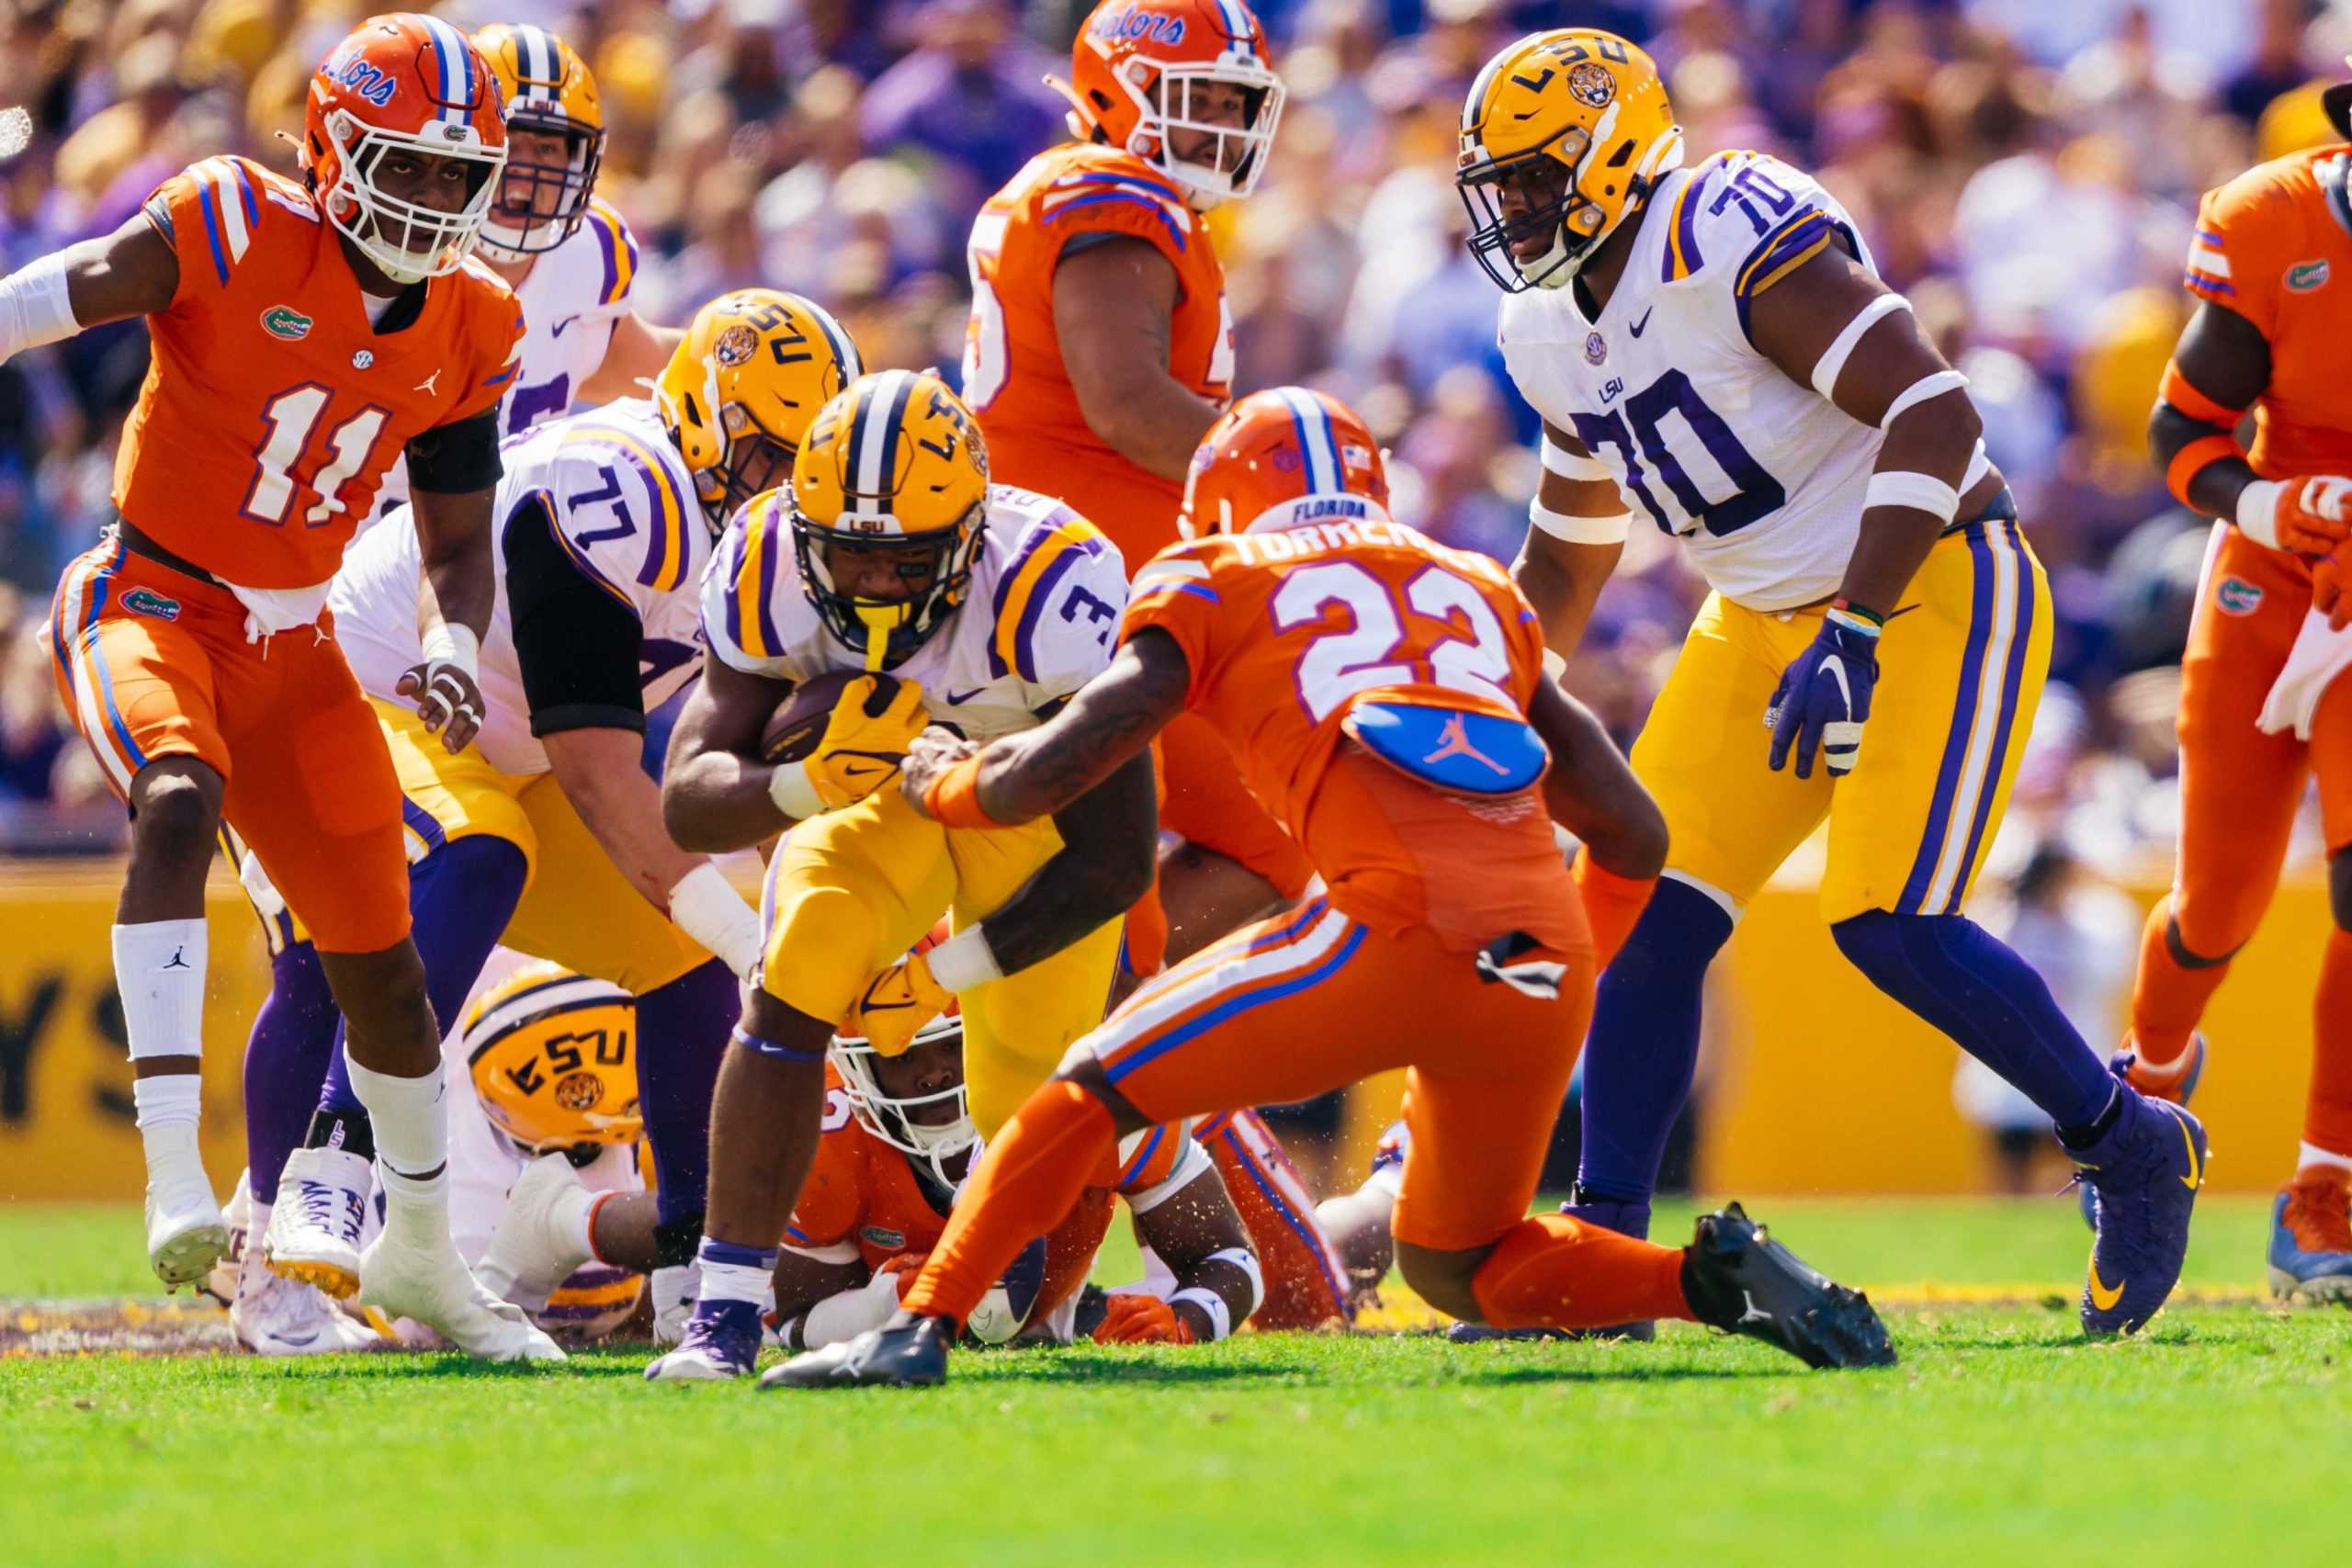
[159, 966]
[411, 1119]
[168, 1115]
[732, 1273]
[2311, 1154]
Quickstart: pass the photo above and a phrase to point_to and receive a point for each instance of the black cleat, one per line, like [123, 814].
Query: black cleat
[1739, 1280]
[898, 1355]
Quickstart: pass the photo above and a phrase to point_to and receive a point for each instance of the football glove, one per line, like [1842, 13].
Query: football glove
[857, 755]
[2309, 516]
[897, 1002]
[2328, 595]
[1141, 1320]
[1824, 696]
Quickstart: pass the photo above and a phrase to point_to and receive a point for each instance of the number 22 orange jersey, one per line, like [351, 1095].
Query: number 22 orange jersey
[1286, 630]
[1013, 376]
[272, 408]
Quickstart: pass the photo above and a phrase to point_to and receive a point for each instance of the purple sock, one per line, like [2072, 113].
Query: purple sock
[682, 1034]
[1645, 1042]
[292, 1042]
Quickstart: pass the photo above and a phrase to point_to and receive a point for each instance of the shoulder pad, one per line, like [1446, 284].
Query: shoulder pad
[1736, 209]
[616, 253]
[739, 594]
[624, 503]
[1059, 594]
[1100, 188]
[219, 201]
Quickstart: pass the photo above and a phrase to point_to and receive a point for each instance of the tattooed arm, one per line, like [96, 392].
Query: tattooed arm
[1110, 849]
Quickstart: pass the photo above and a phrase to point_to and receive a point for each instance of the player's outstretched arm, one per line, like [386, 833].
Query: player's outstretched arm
[131, 272]
[1109, 851]
[1591, 790]
[1199, 1234]
[820, 1302]
[716, 794]
[1114, 305]
[635, 357]
[453, 479]
[1577, 528]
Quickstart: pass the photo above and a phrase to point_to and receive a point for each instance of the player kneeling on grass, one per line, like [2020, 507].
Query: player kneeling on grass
[1386, 695]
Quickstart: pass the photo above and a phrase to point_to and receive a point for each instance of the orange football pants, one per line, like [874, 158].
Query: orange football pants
[152, 662]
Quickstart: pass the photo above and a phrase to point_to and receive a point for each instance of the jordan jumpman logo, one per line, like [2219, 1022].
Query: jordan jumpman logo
[178, 960]
[1453, 741]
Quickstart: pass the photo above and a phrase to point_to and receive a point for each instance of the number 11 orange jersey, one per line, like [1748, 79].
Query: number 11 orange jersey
[272, 407]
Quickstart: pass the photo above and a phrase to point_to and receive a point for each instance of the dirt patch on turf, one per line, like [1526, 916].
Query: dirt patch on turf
[159, 1326]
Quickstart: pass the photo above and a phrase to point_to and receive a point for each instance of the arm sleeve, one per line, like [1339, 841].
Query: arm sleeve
[575, 636]
[2244, 242]
[1178, 592]
[456, 458]
[616, 257]
[208, 213]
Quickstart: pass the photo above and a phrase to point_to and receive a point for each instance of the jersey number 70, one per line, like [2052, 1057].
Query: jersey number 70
[1650, 413]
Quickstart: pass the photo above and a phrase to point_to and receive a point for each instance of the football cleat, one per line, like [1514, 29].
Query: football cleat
[1458, 1333]
[2176, 1086]
[185, 1231]
[909, 1354]
[722, 1343]
[406, 1275]
[2144, 1176]
[314, 1230]
[272, 1315]
[2310, 1237]
[674, 1290]
[1739, 1280]
[531, 1250]
[221, 1283]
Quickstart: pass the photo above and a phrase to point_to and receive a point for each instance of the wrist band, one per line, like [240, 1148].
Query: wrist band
[794, 794]
[1929, 386]
[953, 798]
[964, 961]
[1919, 492]
[706, 907]
[2257, 511]
[1555, 669]
[1577, 530]
[453, 642]
[35, 306]
[1212, 1306]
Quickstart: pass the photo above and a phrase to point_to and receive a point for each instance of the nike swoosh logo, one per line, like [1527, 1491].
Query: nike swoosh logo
[854, 770]
[2102, 1297]
[1643, 322]
[958, 699]
[557, 330]
[2196, 1177]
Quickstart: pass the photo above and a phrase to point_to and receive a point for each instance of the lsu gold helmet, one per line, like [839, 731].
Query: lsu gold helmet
[549, 91]
[752, 370]
[893, 467]
[1563, 135]
[553, 1057]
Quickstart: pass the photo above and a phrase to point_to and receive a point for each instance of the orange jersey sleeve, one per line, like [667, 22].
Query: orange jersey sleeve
[273, 406]
[2272, 246]
[1013, 374]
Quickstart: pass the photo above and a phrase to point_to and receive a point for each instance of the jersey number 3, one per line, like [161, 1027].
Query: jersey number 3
[1340, 663]
[290, 416]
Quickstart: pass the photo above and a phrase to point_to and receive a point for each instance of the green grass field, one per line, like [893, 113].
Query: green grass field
[2002, 1433]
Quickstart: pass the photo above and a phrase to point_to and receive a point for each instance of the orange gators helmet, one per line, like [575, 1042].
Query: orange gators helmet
[548, 89]
[553, 1057]
[1281, 458]
[1144, 75]
[403, 86]
[1564, 135]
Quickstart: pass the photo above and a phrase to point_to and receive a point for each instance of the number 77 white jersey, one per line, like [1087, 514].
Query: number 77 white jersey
[1762, 476]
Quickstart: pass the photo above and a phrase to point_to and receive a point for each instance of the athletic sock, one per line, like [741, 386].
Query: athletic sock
[411, 1119]
[1643, 1045]
[733, 1273]
[159, 968]
[167, 1107]
[1956, 976]
[1551, 1272]
[682, 1030]
[2168, 998]
[286, 1063]
[1026, 1181]
[1611, 905]
[2327, 1108]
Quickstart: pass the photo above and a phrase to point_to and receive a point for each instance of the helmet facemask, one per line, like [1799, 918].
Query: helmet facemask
[754, 463]
[901, 1120]
[1169, 98]
[407, 240]
[515, 226]
[1544, 180]
[905, 625]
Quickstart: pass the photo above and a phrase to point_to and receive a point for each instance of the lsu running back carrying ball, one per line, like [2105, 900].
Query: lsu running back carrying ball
[546, 835]
[1387, 694]
[305, 335]
[1714, 355]
[890, 551]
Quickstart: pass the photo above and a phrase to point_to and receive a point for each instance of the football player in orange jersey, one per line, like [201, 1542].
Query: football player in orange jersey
[2273, 311]
[303, 336]
[1101, 350]
[1394, 705]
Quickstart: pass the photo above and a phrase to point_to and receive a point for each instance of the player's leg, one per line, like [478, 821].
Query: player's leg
[846, 893]
[1730, 822]
[1358, 1221]
[2239, 792]
[132, 650]
[1237, 862]
[1305, 1278]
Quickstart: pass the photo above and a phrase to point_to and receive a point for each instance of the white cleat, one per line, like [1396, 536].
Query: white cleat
[275, 1316]
[220, 1284]
[185, 1232]
[532, 1250]
[430, 1284]
[674, 1291]
[314, 1230]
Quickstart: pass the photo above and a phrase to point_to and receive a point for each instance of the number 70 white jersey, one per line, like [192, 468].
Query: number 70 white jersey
[1762, 476]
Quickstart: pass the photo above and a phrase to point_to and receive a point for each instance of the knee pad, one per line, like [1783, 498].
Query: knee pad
[1684, 927]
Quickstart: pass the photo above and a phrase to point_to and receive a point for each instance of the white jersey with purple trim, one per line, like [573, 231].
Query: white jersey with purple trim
[1711, 441]
[571, 299]
[1039, 620]
[624, 512]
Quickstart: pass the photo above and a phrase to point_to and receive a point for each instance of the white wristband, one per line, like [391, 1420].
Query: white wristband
[1556, 668]
[2258, 516]
[1920, 492]
[706, 907]
[1574, 530]
[1558, 460]
[1919, 392]
[35, 308]
[1242, 1258]
[1212, 1306]
[453, 642]
[794, 794]
[964, 961]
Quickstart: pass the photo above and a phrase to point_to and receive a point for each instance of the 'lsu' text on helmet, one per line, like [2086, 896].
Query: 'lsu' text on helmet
[740, 390]
[1562, 136]
[908, 1122]
[1139, 70]
[894, 462]
[548, 89]
[403, 84]
[553, 1057]
[1280, 458]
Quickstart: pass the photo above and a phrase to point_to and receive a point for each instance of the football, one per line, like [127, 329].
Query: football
[1005, 1309]
[799, 722]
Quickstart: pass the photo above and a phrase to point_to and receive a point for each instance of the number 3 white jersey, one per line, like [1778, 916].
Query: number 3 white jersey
[625, 514]
[1039, 619]
[1760, 474]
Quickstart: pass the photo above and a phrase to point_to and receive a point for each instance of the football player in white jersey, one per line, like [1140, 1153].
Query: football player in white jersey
[545, 834]
[988, 607]
[1713, 355]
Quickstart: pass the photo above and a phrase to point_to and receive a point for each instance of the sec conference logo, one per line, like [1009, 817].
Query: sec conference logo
[1596, 348]
[2236, 596]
